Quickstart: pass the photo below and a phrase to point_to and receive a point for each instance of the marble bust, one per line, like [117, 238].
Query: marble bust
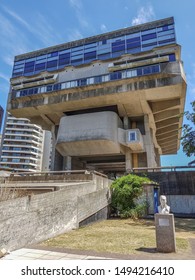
[163, 208]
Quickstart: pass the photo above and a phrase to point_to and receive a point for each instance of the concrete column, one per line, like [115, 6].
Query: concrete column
[134, 155]
[67, 163]
[128, 160]
[53, 147]
[126, 122]
[148, 141]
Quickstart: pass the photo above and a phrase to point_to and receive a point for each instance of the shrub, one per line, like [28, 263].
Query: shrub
[125, 192]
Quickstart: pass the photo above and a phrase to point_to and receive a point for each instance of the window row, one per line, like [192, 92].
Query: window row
[140, 71]
[132, 43]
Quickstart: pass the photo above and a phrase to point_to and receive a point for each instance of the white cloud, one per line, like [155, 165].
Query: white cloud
[103, 28]
[144, 15]
[77, 5]
[4, 77]
[74, 35]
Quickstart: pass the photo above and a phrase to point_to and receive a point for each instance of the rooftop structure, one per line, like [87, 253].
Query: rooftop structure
[112, 101]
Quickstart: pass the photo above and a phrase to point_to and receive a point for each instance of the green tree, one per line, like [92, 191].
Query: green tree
[188, 137]
[125, 192]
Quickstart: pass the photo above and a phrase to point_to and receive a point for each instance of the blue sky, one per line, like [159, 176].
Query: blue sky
[30, 25]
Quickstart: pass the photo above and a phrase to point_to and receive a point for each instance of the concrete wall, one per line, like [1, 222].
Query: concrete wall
[182, 204]
[31, 219]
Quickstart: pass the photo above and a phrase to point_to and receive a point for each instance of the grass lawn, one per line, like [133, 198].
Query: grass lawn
[124, 236]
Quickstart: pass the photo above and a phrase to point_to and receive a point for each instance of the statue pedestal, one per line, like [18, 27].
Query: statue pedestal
[165, 233]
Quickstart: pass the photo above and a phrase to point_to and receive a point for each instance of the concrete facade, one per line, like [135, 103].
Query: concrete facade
[136, 73]
[34, 218]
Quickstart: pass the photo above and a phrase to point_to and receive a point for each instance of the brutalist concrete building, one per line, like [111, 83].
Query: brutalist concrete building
[112, 101]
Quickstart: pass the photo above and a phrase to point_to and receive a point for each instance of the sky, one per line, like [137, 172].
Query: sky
[30, 25]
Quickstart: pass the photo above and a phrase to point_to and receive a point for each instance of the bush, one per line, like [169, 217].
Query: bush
[125, 191]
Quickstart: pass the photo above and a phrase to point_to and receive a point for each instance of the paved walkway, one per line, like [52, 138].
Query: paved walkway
[51, 253]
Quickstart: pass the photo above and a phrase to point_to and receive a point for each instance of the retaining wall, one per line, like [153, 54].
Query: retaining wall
[35, 218]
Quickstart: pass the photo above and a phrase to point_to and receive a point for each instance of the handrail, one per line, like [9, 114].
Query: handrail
[153, 169]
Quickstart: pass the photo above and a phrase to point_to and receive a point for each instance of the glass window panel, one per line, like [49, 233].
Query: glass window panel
[41, 57]
[28, 70]
[51, 64]
[30, 59]
[67, 84]
[118, 48]
[169, 32]
[167, 41]
[133, 45]
[139, 72]
[49, 88]
[18, 66]
[87, 46]
[132, 40]
[97, 79]
[64, 51]
[148, 45]
[19, 62]
[53, 54]
[105, 78]
[66, 55]
[148, 36]
[90, 55]
[40, 66]
[103, 51]
[52, 58]
[18, 70]
[76, 56]
[133, 35]
[80, 48]
[104, 56]
[76, 62]
[149, 31]
[63, 85]
[90, 81]
[172, 57]
[30, 64]
[134, 50]
[64, 62]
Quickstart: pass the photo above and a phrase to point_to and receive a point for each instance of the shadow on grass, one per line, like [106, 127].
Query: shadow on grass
[147, 250]
[186, 225]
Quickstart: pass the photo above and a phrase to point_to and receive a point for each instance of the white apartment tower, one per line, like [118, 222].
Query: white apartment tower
[23, 145]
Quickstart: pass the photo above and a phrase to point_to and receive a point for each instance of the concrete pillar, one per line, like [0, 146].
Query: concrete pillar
[67, 163]
[128, 160]
[53, 147]
[148, 141]
[134, 156]
[126, 122]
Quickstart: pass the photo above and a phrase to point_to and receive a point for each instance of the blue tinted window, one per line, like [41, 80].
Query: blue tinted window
[139, 72]
[90, 55]
[118, 48]
[148, 36]
[135, 39]
[64, 62]
[167, 41]
[150, 44]
[49, 88]
[28, 70]
[104, 42]
[52, 63]
[27, 64]
[40, 66]
[104, 56]
[53, 54]
[118, 43]
[133, 45]
[172, 57]
[65, 55]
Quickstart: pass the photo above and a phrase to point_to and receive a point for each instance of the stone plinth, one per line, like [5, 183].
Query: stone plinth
[165, 233]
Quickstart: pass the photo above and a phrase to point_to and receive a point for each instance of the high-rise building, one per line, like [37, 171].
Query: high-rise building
[1, 117]
[112, 101]
[23, 144]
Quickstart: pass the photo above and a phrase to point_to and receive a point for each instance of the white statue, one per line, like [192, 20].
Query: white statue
[163, 208]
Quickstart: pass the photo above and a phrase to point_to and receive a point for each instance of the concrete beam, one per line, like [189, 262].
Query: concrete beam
[168, 129]
[161, 106]
[166, 123]
[167, 135]
[166, 115]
